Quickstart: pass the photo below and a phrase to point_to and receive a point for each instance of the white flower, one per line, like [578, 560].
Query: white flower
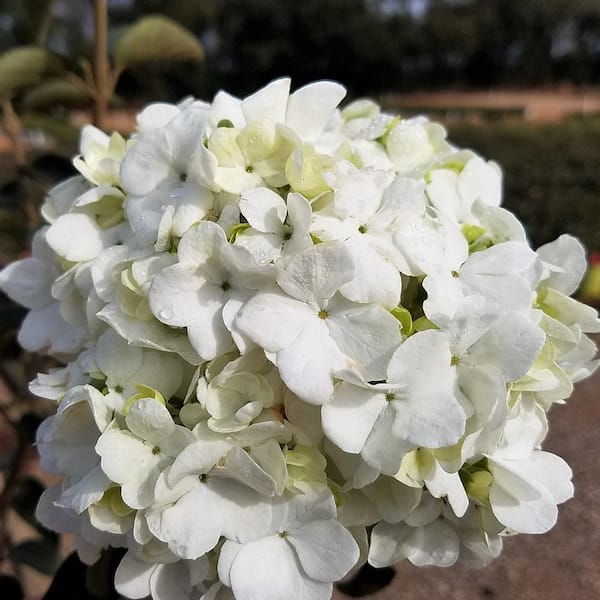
[453, 194]
[306, 551]
[365, 210]
[277, 227]
[312, 330]
[423, 538]
[166, 155]
[135, 457]
[30, 282]
[195, 292]
[415, 407]
[100, 157]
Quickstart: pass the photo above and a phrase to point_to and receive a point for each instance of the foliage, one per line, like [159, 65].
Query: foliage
[156, 38]
[24, 66]
[55, 92]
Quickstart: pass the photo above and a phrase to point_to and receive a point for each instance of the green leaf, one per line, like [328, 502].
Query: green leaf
[42, 555]
[28, 425]
[54, 92]
[25, 499]
[25, 66]
[156, 38]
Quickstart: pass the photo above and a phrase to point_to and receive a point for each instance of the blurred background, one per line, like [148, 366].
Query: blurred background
[516, 80]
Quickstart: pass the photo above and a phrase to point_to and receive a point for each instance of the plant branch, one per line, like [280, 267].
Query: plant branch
[14, 130]
[102, 74]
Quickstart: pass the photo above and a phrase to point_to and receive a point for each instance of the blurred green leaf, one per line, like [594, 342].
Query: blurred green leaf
[368, 580]
[6, 459]
[100, 577]
[71, 581]
[25, 66]
[53, 92]
[42, 555]
[11, 316]
[25, 499]
[10, 588]
[28, 425]
[156, 38]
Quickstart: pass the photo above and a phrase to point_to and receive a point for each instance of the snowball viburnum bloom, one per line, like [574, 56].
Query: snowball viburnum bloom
[283, 326]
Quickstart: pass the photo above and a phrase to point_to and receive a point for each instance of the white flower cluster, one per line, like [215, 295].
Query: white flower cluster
[296, 339]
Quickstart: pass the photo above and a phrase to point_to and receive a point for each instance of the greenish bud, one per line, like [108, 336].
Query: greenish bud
[405, 318]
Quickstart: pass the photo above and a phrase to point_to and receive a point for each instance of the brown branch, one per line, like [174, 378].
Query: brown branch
[102, 75]
[81, 84]
[14, 130]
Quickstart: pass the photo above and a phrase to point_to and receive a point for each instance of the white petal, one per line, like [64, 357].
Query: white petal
[146, 165]
[28, 282]
[307, 366]
[368, 334]
[207, 332]
[348, 419]
[132, 578]
[376, 278]
[116, 358]
[198, 458]
[264, 209]
[174, 295]
[394, 500]
[85, 492]
[566, 259]
[327, 551]
[124, 457]
[46, 330]
[269, 103]
[156, 115]
[190, 532]
[480, 180]
[551, 471]
[239, 465]
[150, 420]
[310, 108]
[383, 449]
[149, 334]
[76, 237]
[518, 503]
[200, 243]
[435, 544]
[511, 345]
[426, 411]
[268, 569]
[274, 320]
[316, 273]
